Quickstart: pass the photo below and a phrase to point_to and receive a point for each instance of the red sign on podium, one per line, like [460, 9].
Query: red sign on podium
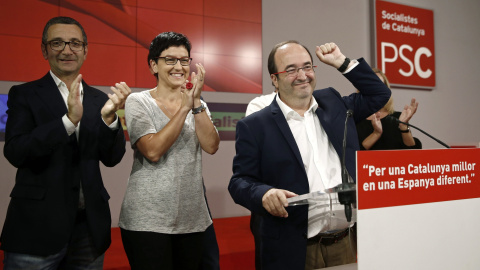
[404, 177]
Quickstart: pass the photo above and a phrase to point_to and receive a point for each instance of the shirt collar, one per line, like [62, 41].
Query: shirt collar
[289, 113]
[59, 83]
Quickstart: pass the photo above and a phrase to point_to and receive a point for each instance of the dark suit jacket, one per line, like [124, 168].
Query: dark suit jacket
[51, 164]
[268, 157]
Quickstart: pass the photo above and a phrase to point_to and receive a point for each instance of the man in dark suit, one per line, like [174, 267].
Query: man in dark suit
[293, 147]
[57, 132]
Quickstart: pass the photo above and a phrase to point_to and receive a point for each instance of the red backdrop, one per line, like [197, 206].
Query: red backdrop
[225, 36]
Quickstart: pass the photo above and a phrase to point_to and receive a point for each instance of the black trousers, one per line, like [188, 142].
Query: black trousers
[150, 250]
[211, 254]
[255, 223]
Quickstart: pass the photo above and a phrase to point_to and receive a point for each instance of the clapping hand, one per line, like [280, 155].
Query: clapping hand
[74, 101]
[190, 96]
[376, 123]
[115, 102]
[408, 111]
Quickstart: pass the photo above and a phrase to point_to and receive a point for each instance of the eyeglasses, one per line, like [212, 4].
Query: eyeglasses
[184, 61]
[59, 45]
[294, 71]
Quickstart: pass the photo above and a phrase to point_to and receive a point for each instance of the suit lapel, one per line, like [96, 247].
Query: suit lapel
[90, 114]
[88, 126]
[47, 91]
[327, 124]
[285, 130]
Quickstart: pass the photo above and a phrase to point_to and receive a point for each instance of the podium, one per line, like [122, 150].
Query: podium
[418, 209]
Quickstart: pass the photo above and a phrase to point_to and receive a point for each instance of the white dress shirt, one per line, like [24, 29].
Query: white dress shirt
[69, 126]
[259, 103]
[322, 165]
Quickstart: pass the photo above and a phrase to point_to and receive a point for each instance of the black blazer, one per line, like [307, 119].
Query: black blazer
[267, 157]
[51, 164]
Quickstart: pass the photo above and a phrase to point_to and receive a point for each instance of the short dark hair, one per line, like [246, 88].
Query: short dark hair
[164, 41]
[272, 67]
[62, 20]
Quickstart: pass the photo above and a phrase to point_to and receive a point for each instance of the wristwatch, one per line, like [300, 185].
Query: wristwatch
[405, 131]
[344, 66]
[198, 109]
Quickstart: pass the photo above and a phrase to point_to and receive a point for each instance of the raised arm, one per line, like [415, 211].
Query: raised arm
[206, 131]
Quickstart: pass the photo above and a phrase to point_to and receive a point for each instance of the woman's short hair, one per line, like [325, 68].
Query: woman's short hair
[164, 41]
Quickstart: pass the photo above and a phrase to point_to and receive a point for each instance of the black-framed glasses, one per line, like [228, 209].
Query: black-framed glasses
[292, 71]
[59, 45]
[184, 61]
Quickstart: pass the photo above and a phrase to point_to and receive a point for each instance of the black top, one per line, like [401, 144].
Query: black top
[391, 137]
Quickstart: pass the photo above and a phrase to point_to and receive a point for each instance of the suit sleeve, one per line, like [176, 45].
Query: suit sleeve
[111, 144]
[374, 94]
[245, 186]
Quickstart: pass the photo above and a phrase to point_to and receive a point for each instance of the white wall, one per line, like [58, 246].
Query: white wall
[447, 112]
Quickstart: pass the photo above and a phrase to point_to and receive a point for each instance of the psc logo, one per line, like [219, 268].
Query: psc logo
[415, 66]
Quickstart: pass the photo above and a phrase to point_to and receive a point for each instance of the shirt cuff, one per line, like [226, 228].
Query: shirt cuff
[114, 124]
[355, 63]
[69, 126]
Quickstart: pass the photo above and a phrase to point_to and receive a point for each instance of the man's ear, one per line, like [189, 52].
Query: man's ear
[85, 52]
[274, 80]
[44, 51]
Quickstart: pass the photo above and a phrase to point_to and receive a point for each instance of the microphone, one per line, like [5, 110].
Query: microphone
[346, 191]
[344, 168]
[409, 125]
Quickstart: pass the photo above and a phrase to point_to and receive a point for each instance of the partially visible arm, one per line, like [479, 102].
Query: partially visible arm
[407, 137]
[259, 103]
[253, 106]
